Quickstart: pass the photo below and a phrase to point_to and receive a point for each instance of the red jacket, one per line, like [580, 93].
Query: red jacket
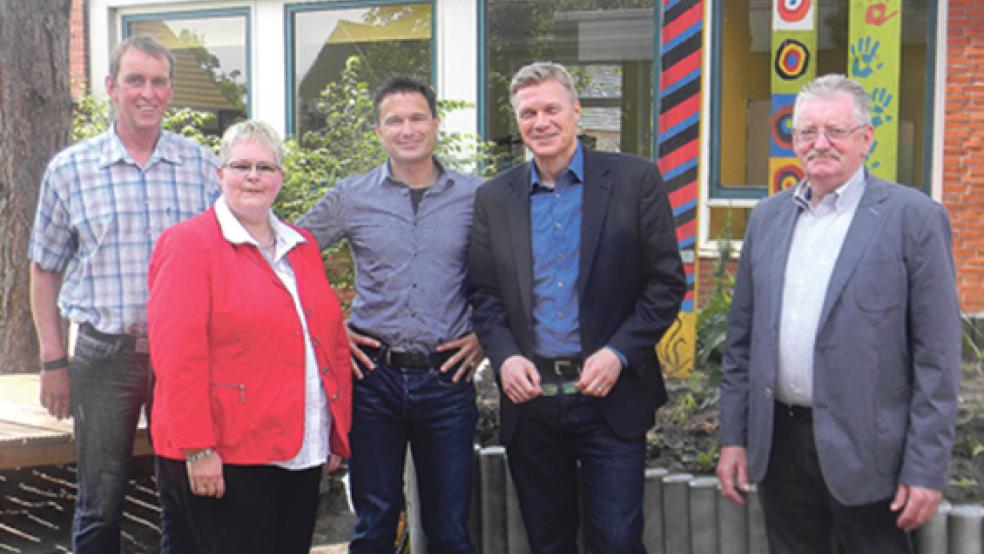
[228, 350]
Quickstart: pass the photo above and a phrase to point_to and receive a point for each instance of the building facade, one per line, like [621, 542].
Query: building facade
[700, 86]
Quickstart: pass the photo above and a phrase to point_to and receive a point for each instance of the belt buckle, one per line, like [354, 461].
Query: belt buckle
[387, 356]
[141, 345]
[560, 365]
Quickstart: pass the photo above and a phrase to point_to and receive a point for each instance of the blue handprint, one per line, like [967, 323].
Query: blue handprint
[863, 55]
[871, 152]
[880, 100]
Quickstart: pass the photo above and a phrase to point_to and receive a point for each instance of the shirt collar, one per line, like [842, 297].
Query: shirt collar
[234, 231]
[844, 197]
[576, 167]
[443, 181]
[114, 151]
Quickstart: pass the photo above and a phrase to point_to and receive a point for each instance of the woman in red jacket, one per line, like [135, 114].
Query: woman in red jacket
[253, 388]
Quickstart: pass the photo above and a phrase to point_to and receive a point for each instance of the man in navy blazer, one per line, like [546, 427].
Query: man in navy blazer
[839, 393]
[574, 275]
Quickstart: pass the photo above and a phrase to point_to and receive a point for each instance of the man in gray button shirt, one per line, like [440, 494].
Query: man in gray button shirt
[414, 352]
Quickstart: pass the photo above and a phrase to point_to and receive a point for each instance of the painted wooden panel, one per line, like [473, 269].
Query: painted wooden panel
[678, 155]
[874, 60]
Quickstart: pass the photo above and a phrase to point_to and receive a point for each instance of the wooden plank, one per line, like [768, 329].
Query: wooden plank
[29, 436]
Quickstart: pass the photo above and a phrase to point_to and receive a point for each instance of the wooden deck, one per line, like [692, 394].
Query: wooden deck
[29, 436]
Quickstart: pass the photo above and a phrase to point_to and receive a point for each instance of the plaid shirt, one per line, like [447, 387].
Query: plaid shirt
[99, 215]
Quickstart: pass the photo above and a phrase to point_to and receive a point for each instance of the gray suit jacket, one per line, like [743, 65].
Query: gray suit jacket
[887, 352]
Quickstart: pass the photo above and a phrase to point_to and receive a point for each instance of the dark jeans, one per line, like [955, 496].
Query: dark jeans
[264, 509]
[394, 406]
[110, 382]
[553, 436]
[802, 517]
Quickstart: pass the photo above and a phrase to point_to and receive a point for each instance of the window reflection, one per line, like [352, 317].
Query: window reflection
[210, 61]
[386, 40]
[607, 45]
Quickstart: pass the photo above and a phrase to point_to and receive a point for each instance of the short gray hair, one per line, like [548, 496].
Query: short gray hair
[538, 72]
[251, 130]
[144, 43]
[831, 85]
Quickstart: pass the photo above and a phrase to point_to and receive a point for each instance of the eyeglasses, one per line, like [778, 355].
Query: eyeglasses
[833, 134]
[243, 169]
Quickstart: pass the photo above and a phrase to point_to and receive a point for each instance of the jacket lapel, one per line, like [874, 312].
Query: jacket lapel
[778, 249]
[867, 219]
[596, 193]
[518, 217]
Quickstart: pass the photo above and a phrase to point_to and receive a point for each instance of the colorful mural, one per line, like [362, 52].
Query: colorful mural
[794, 46]
[874, 60]
[678, 151]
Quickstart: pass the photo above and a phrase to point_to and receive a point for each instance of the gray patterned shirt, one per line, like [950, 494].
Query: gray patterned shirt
[410, 268]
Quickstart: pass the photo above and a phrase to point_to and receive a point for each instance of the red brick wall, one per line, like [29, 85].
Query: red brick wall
[963, 147]
[78, 48]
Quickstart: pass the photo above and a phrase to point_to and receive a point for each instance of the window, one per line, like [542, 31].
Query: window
[211, 59]
[741, 112]
[373, 42]
[607, 45]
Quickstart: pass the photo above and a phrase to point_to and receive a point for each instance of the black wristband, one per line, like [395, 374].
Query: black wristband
[55, 364]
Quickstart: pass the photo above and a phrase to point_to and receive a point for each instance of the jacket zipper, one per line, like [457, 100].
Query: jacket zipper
[241, 387]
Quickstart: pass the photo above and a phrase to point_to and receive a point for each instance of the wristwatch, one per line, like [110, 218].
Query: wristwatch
[201, 454]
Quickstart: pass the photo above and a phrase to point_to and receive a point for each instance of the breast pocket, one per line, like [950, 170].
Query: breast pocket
[880, 285]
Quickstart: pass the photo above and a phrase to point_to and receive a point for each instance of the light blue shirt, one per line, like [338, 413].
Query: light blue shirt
[817, 240]
[99, 214]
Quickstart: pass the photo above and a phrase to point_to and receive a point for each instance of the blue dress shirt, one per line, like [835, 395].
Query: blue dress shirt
[555, 220]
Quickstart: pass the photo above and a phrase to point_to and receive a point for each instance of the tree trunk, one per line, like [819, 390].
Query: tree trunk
[35, 120]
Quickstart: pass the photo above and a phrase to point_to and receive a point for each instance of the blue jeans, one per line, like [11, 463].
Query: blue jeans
[553, 436]
[393, 406]
[110, 382]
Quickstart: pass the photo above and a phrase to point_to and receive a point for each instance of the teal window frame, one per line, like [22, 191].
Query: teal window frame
[290, 10]
[127, 20]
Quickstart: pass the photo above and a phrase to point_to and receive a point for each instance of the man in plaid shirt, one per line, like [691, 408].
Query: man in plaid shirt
[103, 203]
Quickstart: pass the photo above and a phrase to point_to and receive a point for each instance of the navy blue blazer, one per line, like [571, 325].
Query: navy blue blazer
[630, 280]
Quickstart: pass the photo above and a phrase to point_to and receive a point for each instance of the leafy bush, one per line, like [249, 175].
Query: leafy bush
[712, 319]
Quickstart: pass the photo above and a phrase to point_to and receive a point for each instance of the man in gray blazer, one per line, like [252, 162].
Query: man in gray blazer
[840, 380]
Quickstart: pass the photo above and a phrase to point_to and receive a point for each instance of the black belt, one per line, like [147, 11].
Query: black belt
[400, 359]
[803, 414]
[568, 369]
[125, 342]
[408, 360]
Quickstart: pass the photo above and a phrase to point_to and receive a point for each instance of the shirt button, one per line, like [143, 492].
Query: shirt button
[767, 392]
[557, 225]
[560, 284]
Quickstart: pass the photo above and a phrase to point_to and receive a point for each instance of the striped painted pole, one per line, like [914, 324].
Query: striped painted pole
[492, 482]
[758, 542]
[678, 157]
[931, 537]
[966, 529]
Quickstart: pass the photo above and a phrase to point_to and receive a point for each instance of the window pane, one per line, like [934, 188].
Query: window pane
[607, 45]
[209, 63]
[742, 146]
[728, 223]
[387, 40]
